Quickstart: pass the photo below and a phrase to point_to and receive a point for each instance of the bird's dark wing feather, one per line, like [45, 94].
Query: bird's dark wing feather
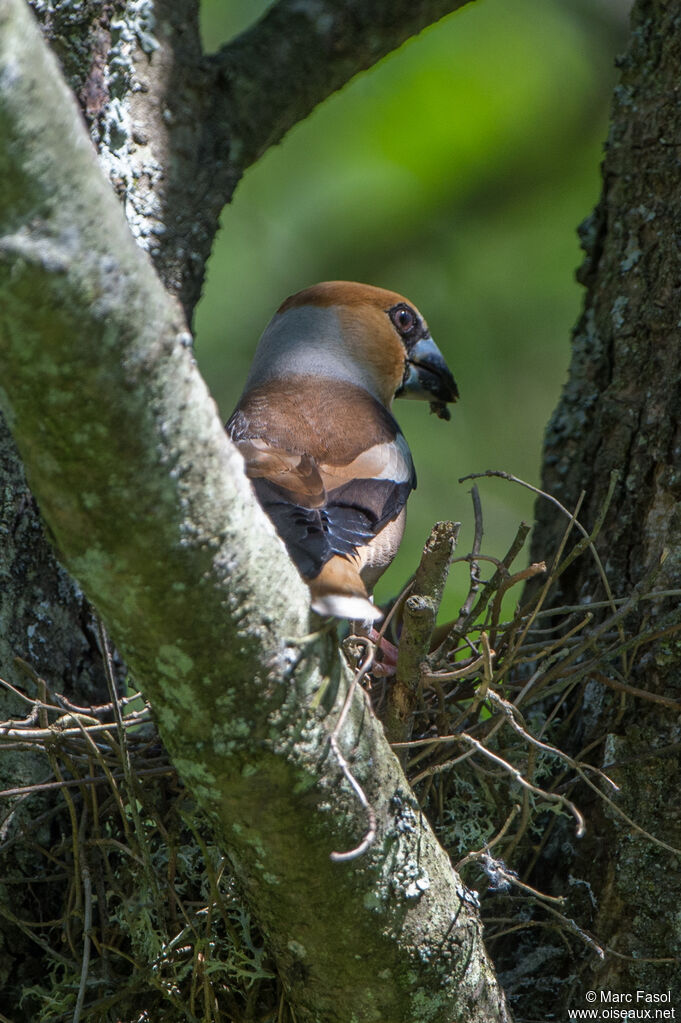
[351, 517]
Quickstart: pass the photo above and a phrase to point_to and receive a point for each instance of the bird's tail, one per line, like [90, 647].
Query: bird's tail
[339, 591]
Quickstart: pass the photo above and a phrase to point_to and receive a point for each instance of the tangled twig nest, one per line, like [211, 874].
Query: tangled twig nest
[147, 904]
[474, 702]
[149, 914]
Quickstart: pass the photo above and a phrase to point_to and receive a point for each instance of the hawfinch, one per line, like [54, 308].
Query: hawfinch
[328, 461]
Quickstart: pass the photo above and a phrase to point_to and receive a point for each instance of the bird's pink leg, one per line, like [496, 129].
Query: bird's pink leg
[386, 651]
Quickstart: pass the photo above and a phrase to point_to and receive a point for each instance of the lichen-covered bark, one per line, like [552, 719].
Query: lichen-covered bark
[138, 72]
[176, 129]
[44, 618]
[149, 506]
[45, 624]
[621, 408]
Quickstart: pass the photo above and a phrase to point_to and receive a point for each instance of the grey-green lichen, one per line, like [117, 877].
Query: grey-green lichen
[124, 150]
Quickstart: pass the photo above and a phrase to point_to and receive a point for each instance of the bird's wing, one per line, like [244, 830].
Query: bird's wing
[344, 520]
[325, 498]
[294, 474]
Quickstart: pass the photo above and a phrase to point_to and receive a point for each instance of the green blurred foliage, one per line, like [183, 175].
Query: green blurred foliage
[455, 172]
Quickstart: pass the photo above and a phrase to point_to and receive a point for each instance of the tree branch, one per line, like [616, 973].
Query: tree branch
[149, 506]
[187, 126]
[313, 48]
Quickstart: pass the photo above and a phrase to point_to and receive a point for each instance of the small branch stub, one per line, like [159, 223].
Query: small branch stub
[418, 623]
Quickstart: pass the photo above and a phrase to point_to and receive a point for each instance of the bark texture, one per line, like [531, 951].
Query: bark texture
[621, 408]
[147, 501]
[176, 129]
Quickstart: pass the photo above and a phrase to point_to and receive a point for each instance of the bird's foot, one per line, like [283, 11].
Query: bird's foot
[385, 658]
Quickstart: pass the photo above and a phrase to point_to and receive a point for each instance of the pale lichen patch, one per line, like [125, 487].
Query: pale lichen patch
[173, 661]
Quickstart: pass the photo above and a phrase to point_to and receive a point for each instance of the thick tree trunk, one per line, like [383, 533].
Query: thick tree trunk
[150, 509]
[621, 409]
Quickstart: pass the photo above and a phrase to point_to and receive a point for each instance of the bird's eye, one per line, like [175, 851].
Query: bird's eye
[404, 319]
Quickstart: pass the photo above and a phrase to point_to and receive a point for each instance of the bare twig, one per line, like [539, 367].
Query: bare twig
[515, 810]
[87, 927]
[370, 834]
[47, 786]
[475, 551]
[642, 694]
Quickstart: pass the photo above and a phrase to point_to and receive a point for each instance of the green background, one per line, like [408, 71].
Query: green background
[455, 172]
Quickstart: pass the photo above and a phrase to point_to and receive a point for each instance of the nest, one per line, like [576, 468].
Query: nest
[483, 711]
[147, 911]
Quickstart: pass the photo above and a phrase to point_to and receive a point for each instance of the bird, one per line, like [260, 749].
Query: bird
[314, 424]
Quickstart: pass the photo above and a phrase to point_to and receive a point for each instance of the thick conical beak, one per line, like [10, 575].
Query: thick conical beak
[428, 377]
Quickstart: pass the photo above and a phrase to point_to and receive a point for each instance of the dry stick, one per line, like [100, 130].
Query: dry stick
[569, 688]
[115, 844]
[474, 566]
[513, 879]
[524, 926]
[543, 594]
[87, 927]
[370, 834]
[487, 675]
[637, 827]
[459, 627]
[465, 671]
[566, 924]
[540, 651]
[487, 678]
[642, 959]
[519, 727]
[109, 774]
[463, 623]
[151, 978]
[52, 953]
[56, 770]
[518, 640]
[613, 806]
[22, 696]
[62, 702]
[100, 709]
[493, 841]
[616, 809]
[549, 925]
[213, 881]
[27, 790]
[438, 768]
[537, 568]
[588, 537]
[576, 929]
[59, 729]
[522, 826]
[548, 674]
[76, 848]
[419, 617]
[622, 604]
[549, 829]
[477, 746]
[643, 694]
[127, 766]
[599, 604]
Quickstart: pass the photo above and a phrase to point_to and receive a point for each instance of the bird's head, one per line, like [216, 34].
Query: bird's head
[369, 336]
